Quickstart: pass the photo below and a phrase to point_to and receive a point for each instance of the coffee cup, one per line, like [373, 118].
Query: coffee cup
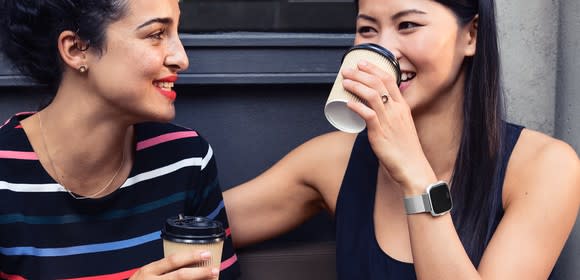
[186, 233]
[335, 108]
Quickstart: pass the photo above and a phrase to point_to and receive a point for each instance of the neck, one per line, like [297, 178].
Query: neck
[80, 146]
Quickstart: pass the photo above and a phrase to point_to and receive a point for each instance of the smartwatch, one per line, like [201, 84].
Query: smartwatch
[437, 200]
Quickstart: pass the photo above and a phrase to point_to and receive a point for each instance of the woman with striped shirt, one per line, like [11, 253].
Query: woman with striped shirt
[87, 182]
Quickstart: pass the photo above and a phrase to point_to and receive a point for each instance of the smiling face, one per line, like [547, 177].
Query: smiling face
[142, 55]
[429, 43]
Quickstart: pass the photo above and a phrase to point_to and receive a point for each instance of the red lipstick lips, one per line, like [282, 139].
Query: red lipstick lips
[164, 86]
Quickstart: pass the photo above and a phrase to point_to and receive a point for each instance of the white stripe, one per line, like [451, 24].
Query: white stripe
[31, 187]
[207, 158]
[195, 161]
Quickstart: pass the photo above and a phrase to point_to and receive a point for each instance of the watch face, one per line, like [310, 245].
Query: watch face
[440, 198]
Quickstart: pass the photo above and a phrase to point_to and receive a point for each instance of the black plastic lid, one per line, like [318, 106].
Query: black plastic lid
[380, 50]
[188, 229]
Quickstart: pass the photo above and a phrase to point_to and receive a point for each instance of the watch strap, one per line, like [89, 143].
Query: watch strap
[417, 204]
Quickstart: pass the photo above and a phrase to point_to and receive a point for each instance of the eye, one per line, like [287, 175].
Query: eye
[366, 31]
[158, 35]
[408, 25]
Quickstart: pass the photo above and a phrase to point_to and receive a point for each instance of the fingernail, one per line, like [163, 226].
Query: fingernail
[205, 255]
[363, 63]
[214, 271]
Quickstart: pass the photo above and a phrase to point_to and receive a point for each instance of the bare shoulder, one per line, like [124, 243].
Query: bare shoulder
[540, 163]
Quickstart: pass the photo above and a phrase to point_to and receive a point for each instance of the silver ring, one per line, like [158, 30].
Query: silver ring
[384, 98]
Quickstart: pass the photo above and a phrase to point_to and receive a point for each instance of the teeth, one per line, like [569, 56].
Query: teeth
[407, 76]
[164, 85]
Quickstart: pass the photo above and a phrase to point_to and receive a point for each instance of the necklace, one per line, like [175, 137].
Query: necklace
[57, 178]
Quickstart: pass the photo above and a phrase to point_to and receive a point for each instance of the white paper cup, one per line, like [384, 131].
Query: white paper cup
[184, 233]
[335, 108]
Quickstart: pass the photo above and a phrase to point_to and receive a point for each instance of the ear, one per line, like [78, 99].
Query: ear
[72, 50]
[470, 30]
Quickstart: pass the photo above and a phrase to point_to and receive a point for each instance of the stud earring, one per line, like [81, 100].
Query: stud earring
[83, 69]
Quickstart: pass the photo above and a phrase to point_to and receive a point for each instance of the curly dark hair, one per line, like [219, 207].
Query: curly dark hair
[29, 31]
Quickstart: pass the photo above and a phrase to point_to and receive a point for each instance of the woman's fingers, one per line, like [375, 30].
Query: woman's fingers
[178, 260]
[178, 266]
[368, 115]
[387, 80]
[369, 95]
[192, 273]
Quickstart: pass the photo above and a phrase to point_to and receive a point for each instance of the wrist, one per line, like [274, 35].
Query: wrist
[436, 199]
[418, 185]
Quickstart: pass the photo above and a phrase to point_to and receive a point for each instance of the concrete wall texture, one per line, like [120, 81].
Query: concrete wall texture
[540, 44]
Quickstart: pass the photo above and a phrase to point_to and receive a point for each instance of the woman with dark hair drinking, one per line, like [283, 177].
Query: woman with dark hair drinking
[87, 183]
[439, 185]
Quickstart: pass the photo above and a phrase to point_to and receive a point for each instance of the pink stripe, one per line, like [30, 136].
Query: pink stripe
[114, 276]
[18, 155]
[228, 232]
[229, 262]
[17, 114]
[165, 138]
[11, 277]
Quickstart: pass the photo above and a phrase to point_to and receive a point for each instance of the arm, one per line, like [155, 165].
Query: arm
[293, 190]
[542, 196]
[542, 192]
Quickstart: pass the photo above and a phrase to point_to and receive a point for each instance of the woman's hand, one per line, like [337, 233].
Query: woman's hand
[176, 267]
[391, 130]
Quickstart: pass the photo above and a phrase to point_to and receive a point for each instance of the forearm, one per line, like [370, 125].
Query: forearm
[437, 250]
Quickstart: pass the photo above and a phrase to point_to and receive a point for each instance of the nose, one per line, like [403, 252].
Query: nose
[392, 44]
[396, 52]
[177, 57]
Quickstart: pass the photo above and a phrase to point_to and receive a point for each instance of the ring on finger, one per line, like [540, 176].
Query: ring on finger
[384, 98]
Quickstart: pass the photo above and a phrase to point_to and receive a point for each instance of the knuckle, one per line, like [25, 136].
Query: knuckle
[375, 81]
[145, 270]
[172, 260]
[388, 79]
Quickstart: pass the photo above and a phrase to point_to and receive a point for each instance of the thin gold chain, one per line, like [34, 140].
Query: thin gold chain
[57, 178]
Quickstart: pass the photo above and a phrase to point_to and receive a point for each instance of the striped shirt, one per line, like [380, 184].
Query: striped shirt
[47, 234]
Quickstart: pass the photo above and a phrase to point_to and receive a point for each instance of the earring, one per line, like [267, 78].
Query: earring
[83, 69]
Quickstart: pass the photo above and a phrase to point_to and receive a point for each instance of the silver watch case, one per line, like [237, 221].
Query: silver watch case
[424, 203]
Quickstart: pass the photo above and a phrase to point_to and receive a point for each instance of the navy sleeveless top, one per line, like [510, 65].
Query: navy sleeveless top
[358, 254]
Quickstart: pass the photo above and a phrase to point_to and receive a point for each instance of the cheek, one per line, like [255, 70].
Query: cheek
[433, 55]
[147, 63]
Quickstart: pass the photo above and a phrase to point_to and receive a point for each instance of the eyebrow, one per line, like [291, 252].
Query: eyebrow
[406, 13]
[165, 21]
[393, 17]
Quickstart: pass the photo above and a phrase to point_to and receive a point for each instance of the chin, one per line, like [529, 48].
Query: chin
[163, 116]
[168, 117]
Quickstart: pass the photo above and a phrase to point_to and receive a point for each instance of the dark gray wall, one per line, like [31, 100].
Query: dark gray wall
[256, 96]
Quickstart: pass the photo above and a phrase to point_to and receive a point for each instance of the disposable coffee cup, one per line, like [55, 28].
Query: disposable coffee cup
[187, 233]
[335, 108]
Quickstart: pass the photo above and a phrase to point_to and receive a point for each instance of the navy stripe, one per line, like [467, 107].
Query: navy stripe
[115, 214]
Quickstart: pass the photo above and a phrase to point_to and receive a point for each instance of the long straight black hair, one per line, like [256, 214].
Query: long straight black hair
[476, 174]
